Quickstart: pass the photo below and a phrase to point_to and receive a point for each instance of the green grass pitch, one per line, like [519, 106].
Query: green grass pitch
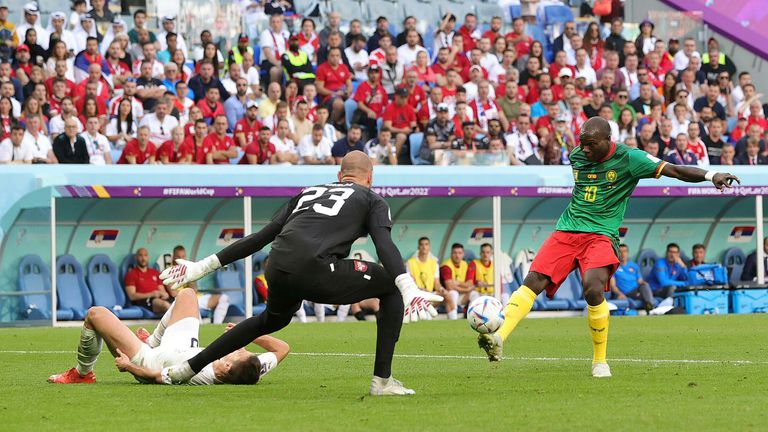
[676, 373]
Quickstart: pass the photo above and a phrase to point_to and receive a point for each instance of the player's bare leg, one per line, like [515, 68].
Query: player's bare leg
[520, 303]
[100, 325]
[595, 281]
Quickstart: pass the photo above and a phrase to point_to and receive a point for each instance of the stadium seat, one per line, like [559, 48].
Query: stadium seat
[578, 291]
[733, 260]
[427, 14]
[416, 140]
[229, 277]
[375, 8]
[486, 11]
[565, 297]
[34, 276]
[553, 13]
[460, 9]
[258, 263]
[107, 290]
[71, 289]
[646, 259]
[348, 9]
[128, 262]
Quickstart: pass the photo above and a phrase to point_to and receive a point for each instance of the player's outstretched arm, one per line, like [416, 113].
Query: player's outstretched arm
[185, 272]
[692, 174]
[124, 364]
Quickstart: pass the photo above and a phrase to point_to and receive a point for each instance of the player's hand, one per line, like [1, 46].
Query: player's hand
[122, 361]
[417, 303]
[229, 327]
[185, 272]
[724, 180]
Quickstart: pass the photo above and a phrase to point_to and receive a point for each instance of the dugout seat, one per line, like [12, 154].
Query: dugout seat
[34, 275]
[258, 264]
[733, 260]
[71, 289]
[565, 297]
[106, 289]
[646, 259]
[128, 263]
[229, 277]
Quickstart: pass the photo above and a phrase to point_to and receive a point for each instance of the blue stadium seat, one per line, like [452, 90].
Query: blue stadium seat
[458, 8]
[35, 276]
[553, 14]
[128, 263]
[348, 9]
[231, 277]
[107, 290]
[416, 140]
[258, 263]
[71, 289]
[469, 255]
[646, 259]
[578, 290]
[733, 260]
[620, 304]
[565, 297]
[375, 8]
[486, 11]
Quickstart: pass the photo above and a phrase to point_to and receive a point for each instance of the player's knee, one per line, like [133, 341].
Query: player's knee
[536, 282]
[95, 313]
[593, 292]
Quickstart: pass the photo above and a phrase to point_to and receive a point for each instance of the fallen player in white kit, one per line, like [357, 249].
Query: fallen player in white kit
[175, 340]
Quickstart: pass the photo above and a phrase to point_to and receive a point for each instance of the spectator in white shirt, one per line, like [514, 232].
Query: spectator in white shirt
[160, 123]
[122, 128]
[42, 151]
[286, 152]
[584, 67]
[13, 150]
[406, 54]
[96, 143]
[272, 44]
[358, 58]
[169, 26]
[315, 149]
[56, 125]
[683, 57]
[522, 143]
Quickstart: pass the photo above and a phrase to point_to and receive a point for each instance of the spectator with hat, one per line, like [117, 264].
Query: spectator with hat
[169, 26]
[471, 139]
[31, 19]
[235, 55]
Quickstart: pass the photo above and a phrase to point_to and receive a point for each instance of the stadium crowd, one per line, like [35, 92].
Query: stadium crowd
[83, 87]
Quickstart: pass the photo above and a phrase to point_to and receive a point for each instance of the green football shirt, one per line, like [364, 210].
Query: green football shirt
[602, 189]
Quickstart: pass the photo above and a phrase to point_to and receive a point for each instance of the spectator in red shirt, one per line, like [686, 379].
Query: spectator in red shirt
[140, 150]
[143, 286]
[370, 99]
[334, 84]
[173, 150]
[416, 94]
[198, 146]
[517, 37]
[400, 118]
[60, 69]
[428, 109]
[210, 106]
[222, 146]
[469, 32]
[655, 72]
[442, 65]
[248, 127]
[262, 151]
[495, 30]
[95, 78]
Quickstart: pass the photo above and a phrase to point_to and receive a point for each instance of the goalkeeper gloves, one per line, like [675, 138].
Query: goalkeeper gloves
[418, 303]
[185, 271]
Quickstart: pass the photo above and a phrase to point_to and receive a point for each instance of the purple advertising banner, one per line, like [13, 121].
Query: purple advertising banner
[744, 21]
[389, 192]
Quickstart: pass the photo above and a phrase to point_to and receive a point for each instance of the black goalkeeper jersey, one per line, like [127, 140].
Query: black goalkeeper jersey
[322, 222]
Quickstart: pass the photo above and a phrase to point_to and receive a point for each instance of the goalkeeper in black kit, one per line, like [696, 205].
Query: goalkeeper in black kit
[310, 238]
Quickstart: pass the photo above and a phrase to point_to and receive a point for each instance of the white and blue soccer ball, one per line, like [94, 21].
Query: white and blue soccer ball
[485, 314]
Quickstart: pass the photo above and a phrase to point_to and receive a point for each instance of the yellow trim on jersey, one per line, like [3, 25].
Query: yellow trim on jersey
[659, 168]
[424, 273]
[459, 274]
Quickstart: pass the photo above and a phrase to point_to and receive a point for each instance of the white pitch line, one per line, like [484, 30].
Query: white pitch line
[469, 357]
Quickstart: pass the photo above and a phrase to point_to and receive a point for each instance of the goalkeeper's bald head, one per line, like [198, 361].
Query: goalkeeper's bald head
[356, 167]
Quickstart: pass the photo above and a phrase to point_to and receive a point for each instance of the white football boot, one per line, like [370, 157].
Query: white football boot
[601, 370]
[388, 387]
[492, 344]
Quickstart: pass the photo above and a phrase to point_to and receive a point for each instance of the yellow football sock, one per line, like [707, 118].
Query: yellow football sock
[598, 327]
[520, 303]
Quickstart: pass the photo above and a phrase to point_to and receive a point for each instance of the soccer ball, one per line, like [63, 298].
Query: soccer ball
[485, 314]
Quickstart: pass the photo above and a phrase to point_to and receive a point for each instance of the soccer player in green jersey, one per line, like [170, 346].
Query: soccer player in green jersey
[587, 234]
